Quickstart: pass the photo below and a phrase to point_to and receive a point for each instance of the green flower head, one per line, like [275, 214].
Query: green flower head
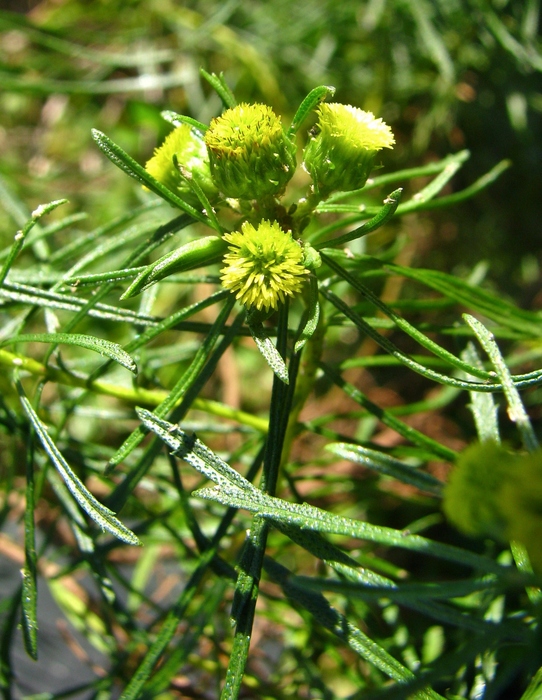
[340, 156]
[264, 265]
[494, 492]
[251, 156]
[191, 153]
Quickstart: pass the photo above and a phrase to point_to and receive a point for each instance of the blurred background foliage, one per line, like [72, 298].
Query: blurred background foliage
[446, 75]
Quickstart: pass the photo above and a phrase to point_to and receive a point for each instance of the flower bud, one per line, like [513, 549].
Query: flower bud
[251, 156]
[264, 265]
[340, 156]
[189, 148]
[497, 493]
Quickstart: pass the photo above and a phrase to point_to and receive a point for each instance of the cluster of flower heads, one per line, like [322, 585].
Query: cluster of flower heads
[245, 159]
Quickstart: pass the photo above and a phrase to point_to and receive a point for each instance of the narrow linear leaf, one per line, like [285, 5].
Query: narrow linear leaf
[105, 348]
[180, 119]
[404, 325]
[221, 88]
[384, 214]
[391, 348]
[234, 490]
[339, 625]
[426, 202]
[497, 309]
[268, 351]
[313, 99]
[311, 518]
[402, 591]
[407, 431]
[311, 317]
[123, 161]
[193, 451]
[197, 253]
[27, 294]
[101, 515]
[483, 406]
[387, 465]
[516, 409]
[82, 242]
[400, 176]
[29, 590]
[20, 236]
[191, 180]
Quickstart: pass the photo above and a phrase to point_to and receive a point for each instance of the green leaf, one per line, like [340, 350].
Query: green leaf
[180, 119]
[27, 294]
[101, 515]
[527, 323]
[268, 351]
[311, 316]
[399, 176]
[191, 180]
[123, 161]
[180, 391]
[383, 215]
[400, 322]
[516, 409]
[520, 380]
[29, 588]
[389, 466]
[407, 431]
[197, 253]
[105, 348]
[340, 625]
[193, 451]
[311, 518]
[234, 490]
[220, 86]
[20, 236]
[534, 691]
[313, 99]
[483, 406]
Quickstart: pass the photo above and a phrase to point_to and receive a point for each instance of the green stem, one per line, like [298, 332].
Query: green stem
[308, 368]
[307, 205]
[132, 395]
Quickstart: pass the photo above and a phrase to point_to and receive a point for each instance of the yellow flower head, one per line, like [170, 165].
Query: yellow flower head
[341, 154]
[189, 148]
[250, 154]
[264, 265]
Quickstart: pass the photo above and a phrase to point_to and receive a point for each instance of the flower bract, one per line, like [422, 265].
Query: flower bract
[264, 265]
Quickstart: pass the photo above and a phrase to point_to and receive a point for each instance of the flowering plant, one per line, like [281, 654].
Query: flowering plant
[283, 246]
[250, 159]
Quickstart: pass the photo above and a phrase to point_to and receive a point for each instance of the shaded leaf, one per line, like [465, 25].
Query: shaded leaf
[105, 348]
